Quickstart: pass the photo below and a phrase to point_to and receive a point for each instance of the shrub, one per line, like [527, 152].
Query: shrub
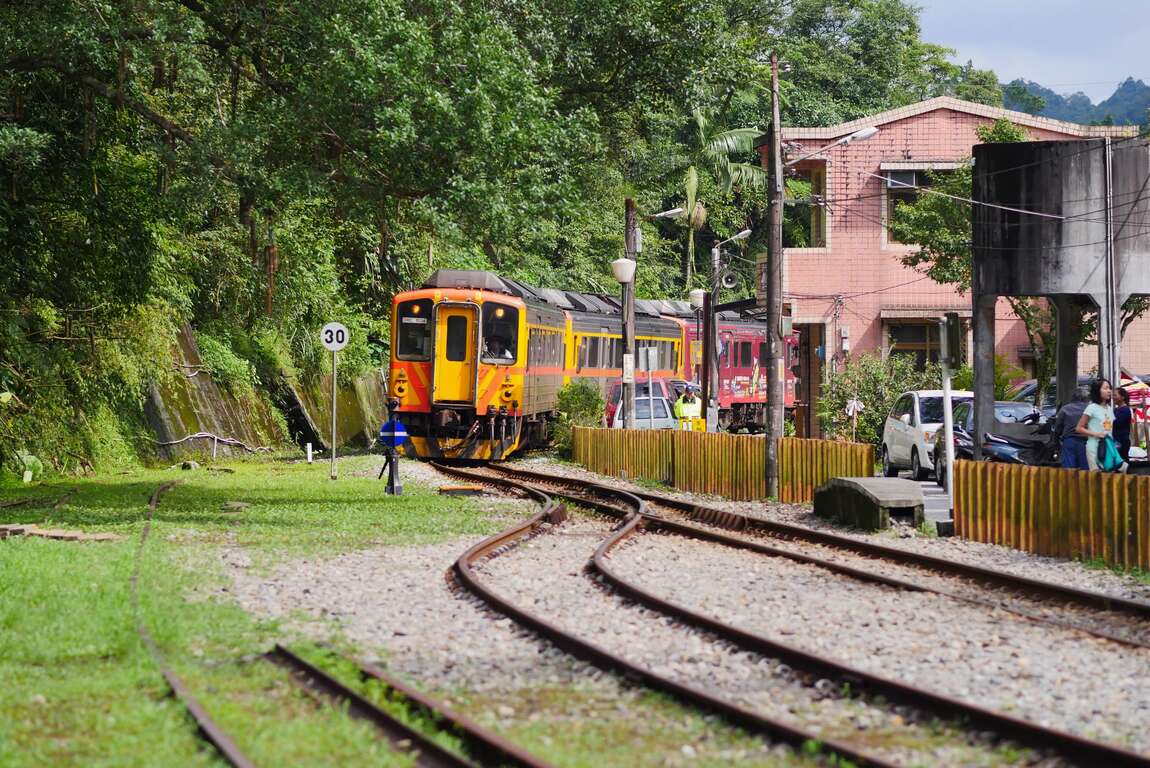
[875, 382]
[226, 367]
[580, 405]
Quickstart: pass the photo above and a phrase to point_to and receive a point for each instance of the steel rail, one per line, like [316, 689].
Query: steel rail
[737, 521]
[209, 730]
[402, 737]
[488, 749]
[465, 573]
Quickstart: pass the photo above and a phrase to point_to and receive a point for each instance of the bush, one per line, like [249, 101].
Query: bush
[580, 405]
[875, 382]
[227, 368]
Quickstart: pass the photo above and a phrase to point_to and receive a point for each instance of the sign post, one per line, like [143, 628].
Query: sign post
[951, 340]
[392, 435]
[334, 337]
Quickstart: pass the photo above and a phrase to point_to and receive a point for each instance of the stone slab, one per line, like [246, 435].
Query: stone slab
[869, 502]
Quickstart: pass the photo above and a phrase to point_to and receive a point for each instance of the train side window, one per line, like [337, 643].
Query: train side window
[413, 331]
[745, 354]
[456, 338]
[762, 354]
[593, 353]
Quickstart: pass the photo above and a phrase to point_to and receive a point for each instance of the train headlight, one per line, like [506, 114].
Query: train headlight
[400, 388]
[507, 394]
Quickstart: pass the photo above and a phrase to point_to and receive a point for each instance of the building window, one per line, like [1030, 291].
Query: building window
[920, 341]
[804, 215]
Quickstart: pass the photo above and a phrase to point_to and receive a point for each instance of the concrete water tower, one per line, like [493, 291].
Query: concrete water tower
[1066, 220]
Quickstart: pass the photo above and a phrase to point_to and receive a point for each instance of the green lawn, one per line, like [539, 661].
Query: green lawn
[79, 688]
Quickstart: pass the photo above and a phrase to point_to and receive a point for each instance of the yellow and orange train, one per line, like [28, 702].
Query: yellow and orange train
[477, 360]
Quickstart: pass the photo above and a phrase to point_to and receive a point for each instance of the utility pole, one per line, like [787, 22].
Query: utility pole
[631, 247]
[774, 425]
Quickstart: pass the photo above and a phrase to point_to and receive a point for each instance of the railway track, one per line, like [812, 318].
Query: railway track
[632, 509]
[482, 748]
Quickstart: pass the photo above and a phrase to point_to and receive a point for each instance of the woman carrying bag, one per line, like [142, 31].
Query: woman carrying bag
[1096, 425]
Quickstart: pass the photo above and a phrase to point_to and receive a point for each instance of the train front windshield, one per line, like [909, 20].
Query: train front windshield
[500, 333]
[413, 330]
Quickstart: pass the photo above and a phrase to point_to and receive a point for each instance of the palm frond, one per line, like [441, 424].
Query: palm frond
[746, 175]
[734, 140]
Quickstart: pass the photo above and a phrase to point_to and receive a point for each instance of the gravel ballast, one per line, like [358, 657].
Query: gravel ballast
[1056, 677]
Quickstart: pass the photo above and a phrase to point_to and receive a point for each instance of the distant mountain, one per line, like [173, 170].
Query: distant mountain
[1128, 104]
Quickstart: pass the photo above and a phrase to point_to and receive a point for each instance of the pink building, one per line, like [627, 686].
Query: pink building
[847, 289]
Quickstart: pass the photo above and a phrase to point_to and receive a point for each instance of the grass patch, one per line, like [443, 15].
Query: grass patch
[1100, 564]
[80, 688]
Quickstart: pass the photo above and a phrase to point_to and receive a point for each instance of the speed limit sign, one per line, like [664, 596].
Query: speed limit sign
[334, 336]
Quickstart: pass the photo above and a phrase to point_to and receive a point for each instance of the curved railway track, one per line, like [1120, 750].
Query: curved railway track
[484, 749]
[632, 509]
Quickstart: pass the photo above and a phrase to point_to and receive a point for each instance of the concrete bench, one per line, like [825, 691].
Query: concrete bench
[869, 502]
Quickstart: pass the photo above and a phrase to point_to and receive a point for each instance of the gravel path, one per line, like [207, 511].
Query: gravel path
[1060, 678]
[546, 575]
[1068, 573]
[398, 600]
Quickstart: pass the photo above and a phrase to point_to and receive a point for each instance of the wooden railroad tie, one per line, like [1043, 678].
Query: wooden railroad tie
[58, 534]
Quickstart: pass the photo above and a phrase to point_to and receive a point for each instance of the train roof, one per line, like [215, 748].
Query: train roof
[599, 304]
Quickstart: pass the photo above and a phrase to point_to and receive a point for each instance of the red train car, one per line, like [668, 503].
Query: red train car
[742, 370]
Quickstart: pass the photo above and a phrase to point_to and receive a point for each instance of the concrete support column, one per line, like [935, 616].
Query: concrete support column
[983, 320]
[1066, 349]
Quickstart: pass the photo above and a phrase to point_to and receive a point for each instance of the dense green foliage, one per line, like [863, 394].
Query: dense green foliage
[258, 168]
[876, 383]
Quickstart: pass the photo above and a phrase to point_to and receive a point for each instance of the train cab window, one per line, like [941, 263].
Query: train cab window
[456, 338]
[413, 331]
[500, 334]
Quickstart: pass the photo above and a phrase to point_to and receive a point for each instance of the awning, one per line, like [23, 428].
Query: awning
[922, 165]
[920, 313]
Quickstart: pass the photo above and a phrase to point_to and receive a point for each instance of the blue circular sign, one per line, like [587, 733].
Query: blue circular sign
[392, 434]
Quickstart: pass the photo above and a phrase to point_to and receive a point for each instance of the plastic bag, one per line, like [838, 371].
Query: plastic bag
[1108, 457]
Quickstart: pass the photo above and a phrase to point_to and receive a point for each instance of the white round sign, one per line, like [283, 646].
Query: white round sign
[334, 336]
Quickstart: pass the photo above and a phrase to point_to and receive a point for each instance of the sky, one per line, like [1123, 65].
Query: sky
[1066, 45]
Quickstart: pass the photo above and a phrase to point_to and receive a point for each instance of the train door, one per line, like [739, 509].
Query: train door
[454, 354]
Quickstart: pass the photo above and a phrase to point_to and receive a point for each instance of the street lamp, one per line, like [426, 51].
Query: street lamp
[624, 271]
[710, 380]
[861, 134]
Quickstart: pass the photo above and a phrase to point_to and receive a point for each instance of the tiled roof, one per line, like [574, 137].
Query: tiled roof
[958, 105]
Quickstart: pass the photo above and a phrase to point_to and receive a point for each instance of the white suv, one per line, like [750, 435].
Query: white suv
[908, 436]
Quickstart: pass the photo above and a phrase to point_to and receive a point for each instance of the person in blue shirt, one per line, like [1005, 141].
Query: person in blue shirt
[1122, 418]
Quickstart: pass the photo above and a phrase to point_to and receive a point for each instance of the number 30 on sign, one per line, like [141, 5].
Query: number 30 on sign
[334, 336]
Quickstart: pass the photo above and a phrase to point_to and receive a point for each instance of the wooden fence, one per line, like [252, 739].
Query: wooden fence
[806, 464]
[1057, 512]
[721, 464]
